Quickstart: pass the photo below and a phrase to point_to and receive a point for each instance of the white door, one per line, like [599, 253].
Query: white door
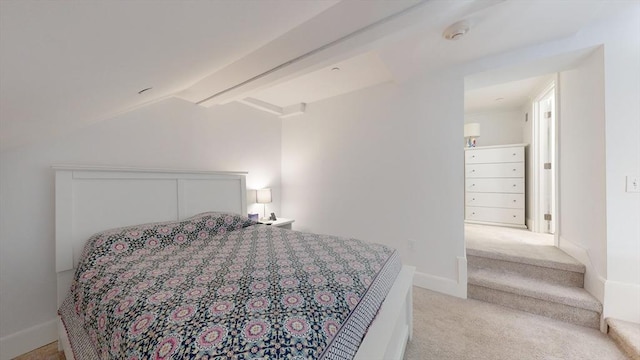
[546, 173]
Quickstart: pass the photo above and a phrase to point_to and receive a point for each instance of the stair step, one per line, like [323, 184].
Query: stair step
[543, 256]
[571, 304]
[626, 335]
[521, 285]
[548, 274]
[556, 311]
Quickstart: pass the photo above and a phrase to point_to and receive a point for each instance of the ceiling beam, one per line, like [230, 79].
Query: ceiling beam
[345, 25]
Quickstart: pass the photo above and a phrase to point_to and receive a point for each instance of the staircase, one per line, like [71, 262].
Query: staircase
[538, 279]
[626, 335]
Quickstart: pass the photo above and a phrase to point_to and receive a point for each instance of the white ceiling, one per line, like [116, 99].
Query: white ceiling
[349, 75]
[65, 64]
[504, 96]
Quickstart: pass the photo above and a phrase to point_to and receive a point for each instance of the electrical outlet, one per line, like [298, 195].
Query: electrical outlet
[412, 243]
[633, 184]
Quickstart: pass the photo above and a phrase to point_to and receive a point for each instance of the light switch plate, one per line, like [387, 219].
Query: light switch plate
[633, 184]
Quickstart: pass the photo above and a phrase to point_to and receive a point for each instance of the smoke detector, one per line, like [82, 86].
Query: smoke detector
[457, 30]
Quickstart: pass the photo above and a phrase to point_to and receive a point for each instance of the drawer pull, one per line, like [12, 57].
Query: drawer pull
[473, 199]
[473, 156]
[474, 170]
[514, 200]
[514, 169]
[514, 185]
[475, 185]
[514, 154]
[514, 216]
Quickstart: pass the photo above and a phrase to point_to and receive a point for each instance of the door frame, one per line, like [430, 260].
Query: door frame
[538, 167]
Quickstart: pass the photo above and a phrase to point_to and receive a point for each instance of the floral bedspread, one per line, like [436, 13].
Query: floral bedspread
[219, 286]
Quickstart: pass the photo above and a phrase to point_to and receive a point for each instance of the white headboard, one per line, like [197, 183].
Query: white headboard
[93, 199]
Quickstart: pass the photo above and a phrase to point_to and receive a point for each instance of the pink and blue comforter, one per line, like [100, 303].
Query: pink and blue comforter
[218, 286]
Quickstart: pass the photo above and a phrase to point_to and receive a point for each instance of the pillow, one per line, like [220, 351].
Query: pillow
[221, 222]
[147, 237]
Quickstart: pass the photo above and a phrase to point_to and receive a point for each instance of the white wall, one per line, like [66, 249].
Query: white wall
[500, 127]
[622, 129]
[621, 62]
[384, 165]
[583, 218]
[169, 134]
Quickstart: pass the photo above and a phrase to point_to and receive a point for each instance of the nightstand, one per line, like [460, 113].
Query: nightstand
[281, 222]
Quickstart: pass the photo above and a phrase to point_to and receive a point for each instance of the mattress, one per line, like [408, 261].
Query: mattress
[220, 286]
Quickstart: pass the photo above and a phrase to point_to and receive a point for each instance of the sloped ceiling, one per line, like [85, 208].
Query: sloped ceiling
[66, 64]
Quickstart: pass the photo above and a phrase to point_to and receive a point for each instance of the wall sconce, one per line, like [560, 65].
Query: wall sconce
[263, 196]
[471, 132]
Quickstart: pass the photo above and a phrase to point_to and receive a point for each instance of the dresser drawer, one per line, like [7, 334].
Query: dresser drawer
[511, 201]
[498, 155]
[499, 170]
[499, 215]
[513, 186]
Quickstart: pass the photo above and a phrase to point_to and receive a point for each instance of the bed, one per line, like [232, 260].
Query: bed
[165, 264]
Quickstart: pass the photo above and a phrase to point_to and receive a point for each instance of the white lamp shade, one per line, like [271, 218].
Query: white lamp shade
[263, 196]
[472, 130]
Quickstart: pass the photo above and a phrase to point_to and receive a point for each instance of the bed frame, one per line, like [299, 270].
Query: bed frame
[93, 199]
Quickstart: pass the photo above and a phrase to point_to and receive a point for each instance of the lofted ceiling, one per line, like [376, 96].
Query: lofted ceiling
[66, 64]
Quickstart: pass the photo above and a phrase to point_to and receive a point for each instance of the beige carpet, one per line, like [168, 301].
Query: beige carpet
[627, 335]
[501, 234]
[517, 245]
[449, 328]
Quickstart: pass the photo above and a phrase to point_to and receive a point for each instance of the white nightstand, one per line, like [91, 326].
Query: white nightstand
[281, 222]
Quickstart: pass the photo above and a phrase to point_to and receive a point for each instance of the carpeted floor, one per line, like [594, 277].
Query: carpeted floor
[449, 328]
[514, 242]
[504, 235]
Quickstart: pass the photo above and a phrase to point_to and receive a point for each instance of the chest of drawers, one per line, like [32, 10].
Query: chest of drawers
[495, 185]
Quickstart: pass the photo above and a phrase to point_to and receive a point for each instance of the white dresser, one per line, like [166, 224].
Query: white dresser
[495, 185]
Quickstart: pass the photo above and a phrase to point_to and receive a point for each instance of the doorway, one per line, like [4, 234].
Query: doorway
[521, 113]
[544, 148]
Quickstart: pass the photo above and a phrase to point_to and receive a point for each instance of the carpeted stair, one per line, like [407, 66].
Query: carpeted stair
[548, 283]
[626, 335]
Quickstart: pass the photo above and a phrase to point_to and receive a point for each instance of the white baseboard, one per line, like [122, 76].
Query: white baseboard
[622, 301]
[445, 285]
[594, 283]
[28, 339]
